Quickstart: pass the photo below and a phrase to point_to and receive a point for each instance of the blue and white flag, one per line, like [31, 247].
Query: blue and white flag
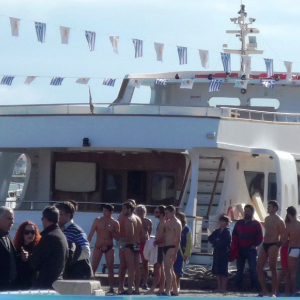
[269, 66]
[187, 84]
[109, 81]
[82, 80]
[182, 54]
[40, 29]
[56, 80]
[215, 85]
[268, 83]
[226, 62]
[138, 48]
[14, 25]
[7, 80]
[161, 81]
[91, 38]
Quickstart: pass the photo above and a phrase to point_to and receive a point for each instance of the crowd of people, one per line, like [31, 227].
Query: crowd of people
[34, 260]
[280, 237]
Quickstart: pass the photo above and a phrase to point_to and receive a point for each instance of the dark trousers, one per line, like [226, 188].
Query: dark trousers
[248, 255]
[82, 269]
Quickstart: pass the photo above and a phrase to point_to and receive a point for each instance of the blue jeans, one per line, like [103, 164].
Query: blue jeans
[249, 255]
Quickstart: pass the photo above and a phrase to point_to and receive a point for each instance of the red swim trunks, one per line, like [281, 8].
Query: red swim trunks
[284, 256]
[142, 246]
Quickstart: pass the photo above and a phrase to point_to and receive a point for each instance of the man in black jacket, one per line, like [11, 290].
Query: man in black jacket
[50, 255]
[8, 269]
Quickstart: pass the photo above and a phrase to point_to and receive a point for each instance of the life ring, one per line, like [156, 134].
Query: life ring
[243, 91]
[230, 212]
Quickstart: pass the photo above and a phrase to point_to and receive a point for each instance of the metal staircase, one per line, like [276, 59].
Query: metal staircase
[210, 184]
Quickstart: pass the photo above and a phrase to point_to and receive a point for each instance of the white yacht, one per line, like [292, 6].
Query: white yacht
[207, 153]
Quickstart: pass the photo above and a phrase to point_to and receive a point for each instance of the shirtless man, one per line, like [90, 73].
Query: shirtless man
[159, 276]
[131, 234]
[172, 242]
[293, 235]
[107, 229]
[274, 233]
[141, 212]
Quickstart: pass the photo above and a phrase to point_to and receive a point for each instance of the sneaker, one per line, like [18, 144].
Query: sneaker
[145, 287]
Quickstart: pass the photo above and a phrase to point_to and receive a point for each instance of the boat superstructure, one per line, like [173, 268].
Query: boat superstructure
[178, 148]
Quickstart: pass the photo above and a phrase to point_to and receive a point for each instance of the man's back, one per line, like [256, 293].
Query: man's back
[49, 257]
[293, 231]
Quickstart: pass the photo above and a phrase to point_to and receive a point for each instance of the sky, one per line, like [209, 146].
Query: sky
[195, 24]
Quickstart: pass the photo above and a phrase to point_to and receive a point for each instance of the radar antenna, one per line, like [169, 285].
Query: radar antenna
[246, 49]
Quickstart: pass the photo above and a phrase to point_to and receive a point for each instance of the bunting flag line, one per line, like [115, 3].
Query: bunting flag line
[288, 65]
[204, 57]
[138, 48]
[115, 43]
[187, 84]
[56, 80]
[182, 54]
[91, 101]
[29, 79]
[159, 48]
[226, 62]
[161, 81]
[136, 82]
[64, 34]
[109, 81]
[269, 66]
[241, 84]
[215, 85]
[268, 83]
[82, 80]
[40, 29]
[15, 25]
[91, 39]
[247, 64]
[7, 80]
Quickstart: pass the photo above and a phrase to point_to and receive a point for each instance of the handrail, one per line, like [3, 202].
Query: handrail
[187, 174]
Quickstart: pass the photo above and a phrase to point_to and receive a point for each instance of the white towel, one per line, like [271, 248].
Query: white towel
[150, 251]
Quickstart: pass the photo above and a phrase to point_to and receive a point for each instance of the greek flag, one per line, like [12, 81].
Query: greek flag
[182, 54]
[161, 81]
[268, 83]
[269, 66]
[226, 62]
[40, 29]
[215, 85]
[7, 80]
[109, 81]
[138, 48]
[56, 80]
[91, 38]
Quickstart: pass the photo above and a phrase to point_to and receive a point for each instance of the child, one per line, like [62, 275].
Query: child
[221, 240]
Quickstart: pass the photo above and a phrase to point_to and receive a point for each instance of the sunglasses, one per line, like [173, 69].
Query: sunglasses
[27, 232]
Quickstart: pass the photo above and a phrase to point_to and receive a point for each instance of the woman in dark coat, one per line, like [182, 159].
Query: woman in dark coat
[221, 240]
[26, 238]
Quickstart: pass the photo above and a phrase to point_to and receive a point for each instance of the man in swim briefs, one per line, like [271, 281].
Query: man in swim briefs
[107, 229]
[293, 235]
[172, 230]
[159, 276]
[131, 233]
[141, 212]
[274, 233]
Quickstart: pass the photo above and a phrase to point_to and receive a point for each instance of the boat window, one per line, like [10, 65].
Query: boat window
[255, 183]
[272, 187]
[163, 189]
[215, 101]
[136, 186]
[113, 187]
[264, 102]
[141, 95]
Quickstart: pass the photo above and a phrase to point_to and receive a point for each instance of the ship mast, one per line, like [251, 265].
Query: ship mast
[246, 49]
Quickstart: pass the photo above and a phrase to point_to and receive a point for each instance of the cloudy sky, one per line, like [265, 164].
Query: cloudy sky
[196, 24]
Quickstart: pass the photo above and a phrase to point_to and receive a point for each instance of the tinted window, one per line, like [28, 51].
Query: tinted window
[162, 189]
[255, 183]
[272, 187]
